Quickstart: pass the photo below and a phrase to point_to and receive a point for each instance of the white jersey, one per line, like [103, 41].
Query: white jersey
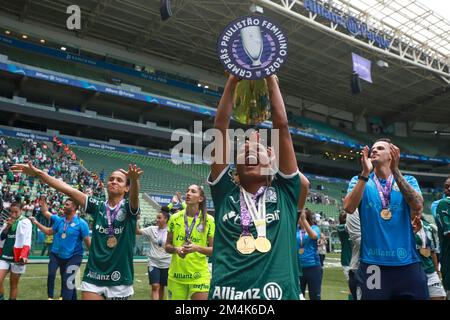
[353, 227]
[157, 255]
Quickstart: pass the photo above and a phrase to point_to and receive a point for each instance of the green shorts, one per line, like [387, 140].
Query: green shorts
[184, 291]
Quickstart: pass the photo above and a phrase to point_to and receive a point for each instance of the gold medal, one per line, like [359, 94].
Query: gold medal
[245, 244]
[301, 251]
[63, 236]
[263, 245]
[112, 242]
[386, 214]
[425, 252]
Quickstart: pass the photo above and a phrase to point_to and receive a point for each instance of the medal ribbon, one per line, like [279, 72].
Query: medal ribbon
[66, 224]
[160, 238]
[423, 237]
[187, 229]
[112, 216]
[384, 193]
[302, 236]
[257, 215]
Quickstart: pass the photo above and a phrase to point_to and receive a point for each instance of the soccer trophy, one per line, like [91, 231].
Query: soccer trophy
[252, 51]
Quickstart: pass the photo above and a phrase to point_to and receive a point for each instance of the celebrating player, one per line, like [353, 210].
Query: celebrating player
[67, 250]
[386, 201]
[255, 253]
[16, 233]
[109, 272]
[307, 236]
[158, 258]
[190, 240]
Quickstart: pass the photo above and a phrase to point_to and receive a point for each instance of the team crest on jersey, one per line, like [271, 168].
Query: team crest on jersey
[271, 195]
[121, 215]
[200, 227]
[395, 187]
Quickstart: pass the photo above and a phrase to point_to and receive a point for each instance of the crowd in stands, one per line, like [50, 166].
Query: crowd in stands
[28, 190]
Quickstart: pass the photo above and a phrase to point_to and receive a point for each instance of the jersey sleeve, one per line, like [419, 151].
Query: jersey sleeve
[147, 232]
[55, 222]
[130, 211]
[92, 206]
[352, 184]
[211, 226]
[317, 231]
[84, 229]
[221, 186]
[444, 216]
[290, 184]
[413, 183]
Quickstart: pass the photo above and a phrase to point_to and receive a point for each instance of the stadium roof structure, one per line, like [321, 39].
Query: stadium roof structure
[416, 45]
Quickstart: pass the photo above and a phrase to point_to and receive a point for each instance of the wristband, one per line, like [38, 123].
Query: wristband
[361, 177]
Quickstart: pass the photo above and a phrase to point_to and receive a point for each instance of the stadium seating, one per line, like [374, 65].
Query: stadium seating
[79, 70]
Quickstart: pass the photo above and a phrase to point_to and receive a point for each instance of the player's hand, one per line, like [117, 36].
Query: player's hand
[395, 157]
[27, 169]
[416, 224]
[190, 248]
[366, 164]
[133, 173]
[23, 261]
[303, 215]
[9, 222]
[32, 219]
[180, 252]
[43, 204]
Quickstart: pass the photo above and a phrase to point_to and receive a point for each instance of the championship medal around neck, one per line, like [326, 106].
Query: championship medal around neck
[301, 251]
[386, 214]
[63, 236]
[246, 244]
[112, 242]
[263, 245]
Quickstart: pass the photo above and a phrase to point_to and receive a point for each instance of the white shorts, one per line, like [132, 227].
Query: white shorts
[13, 267]
[346, 270]
[435, 288]
[122, 292]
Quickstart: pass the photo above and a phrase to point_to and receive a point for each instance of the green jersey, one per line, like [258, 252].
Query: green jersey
[424, 239]
[193, 268]
[443, 224]
[8, 245]
[270, 275]
[346, 246]
[111, 266]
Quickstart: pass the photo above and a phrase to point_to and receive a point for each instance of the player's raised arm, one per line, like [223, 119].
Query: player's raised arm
[287, 161]
[59, 185]
[222, 122]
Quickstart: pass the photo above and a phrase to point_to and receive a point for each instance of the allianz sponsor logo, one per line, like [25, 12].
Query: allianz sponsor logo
[114, 276]
[401, 253]
[270, 217]
[195, 276]
[104, 230]
[271, 291]
[101, 146]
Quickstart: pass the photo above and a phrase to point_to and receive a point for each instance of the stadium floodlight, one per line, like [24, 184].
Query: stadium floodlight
[382, 64]
[254, 8]
[24, 36]
[165, 9]
[42, 41]
[63, 48]
[8, 32]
